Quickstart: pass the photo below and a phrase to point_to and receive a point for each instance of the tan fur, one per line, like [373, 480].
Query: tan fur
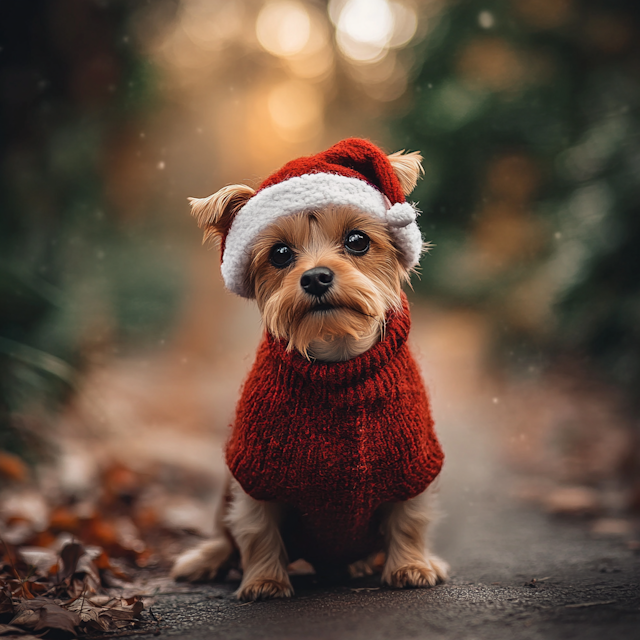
[364, 289]
[409, 562]
[408, 169]
[203, 563]
[214, 213]
[255, 527]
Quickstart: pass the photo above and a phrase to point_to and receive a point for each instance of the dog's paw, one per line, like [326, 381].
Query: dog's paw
[264, 589]
[360, 569]
[367, 567]
[202, 563]
[420, 574]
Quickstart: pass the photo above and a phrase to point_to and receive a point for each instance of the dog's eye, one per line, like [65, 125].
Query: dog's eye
[281, 256]
[357, 242]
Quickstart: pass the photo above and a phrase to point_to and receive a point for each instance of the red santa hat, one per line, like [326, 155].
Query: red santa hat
[352, 172]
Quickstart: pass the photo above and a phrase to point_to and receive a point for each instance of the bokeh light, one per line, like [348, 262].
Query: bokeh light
[366, 29]
[296, 110]
[283, 28]
[211, 25]
[405, 24]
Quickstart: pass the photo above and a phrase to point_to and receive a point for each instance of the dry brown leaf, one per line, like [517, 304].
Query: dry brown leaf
[89, 614]
[63, 519]
[12, 467]
[42, 614]
[27, 618]
[6, 604]
[52, 616]
[7, 629]
[108, 615]
[80, 574]
[70, 554]
[40, 559]
[20, 589]
[36, 587]
[101, 600]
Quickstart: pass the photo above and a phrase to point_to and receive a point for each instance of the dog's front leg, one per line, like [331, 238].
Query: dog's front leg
[409, 562]
[255, 527]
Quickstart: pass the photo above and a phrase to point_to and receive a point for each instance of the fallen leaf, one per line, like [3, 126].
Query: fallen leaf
[7, 629]
[89, 614]
[37, 587]
[70, 555]
[52, 616]
[27, 618]
[44, 539]
[63, 519]
[119, 483]
[20, 589]
[101, 532]
[102, 561]
[6, 604]
[101, 600]
[12, 467]
[38, 558]
[114, 613]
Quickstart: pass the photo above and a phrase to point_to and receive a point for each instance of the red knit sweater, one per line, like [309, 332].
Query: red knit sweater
[335, 441]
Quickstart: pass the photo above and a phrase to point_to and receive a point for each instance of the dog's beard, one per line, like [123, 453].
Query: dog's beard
[302, 319]
[326, 325]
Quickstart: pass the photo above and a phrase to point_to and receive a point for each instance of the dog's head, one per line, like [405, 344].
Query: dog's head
[325, 276]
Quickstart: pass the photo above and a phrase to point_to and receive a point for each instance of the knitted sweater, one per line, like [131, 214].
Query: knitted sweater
[334, 441]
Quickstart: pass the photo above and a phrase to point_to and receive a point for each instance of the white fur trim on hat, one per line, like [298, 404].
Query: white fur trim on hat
[307, 193]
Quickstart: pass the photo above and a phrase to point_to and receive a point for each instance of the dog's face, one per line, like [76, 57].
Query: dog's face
[323, 280]
[326, 277]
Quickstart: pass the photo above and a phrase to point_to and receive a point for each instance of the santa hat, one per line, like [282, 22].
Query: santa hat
[352, 172]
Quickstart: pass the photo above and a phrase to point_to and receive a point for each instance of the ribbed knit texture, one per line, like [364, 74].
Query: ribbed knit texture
[335, 441]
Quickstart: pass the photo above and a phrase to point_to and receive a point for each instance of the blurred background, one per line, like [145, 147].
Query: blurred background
[120, 352]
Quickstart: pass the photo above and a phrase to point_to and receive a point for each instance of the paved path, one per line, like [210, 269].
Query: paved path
[584, 587]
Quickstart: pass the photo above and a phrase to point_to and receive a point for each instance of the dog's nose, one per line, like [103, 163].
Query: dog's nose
[317, 281]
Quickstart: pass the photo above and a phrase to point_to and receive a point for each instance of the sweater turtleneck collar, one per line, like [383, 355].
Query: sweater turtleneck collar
[361, 367]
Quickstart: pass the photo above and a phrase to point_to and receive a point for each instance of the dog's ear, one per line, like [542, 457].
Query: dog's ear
[408, 168]
[215, 213]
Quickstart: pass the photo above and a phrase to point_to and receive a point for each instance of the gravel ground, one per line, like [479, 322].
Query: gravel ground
[516, 573]
[585, 589]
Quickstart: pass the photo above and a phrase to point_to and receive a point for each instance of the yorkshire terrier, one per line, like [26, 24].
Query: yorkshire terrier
[332, 453]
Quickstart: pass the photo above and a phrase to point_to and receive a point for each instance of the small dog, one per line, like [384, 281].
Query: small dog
[332, 453]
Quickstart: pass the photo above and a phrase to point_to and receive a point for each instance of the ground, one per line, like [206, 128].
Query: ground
[516, 573]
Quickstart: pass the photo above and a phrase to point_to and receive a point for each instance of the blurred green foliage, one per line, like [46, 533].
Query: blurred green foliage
[528, 114]
[75, 277]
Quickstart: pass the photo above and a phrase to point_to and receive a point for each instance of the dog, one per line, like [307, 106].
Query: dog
[332, 455]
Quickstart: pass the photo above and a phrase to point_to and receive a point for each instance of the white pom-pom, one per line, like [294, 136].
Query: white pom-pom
[401, 215]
